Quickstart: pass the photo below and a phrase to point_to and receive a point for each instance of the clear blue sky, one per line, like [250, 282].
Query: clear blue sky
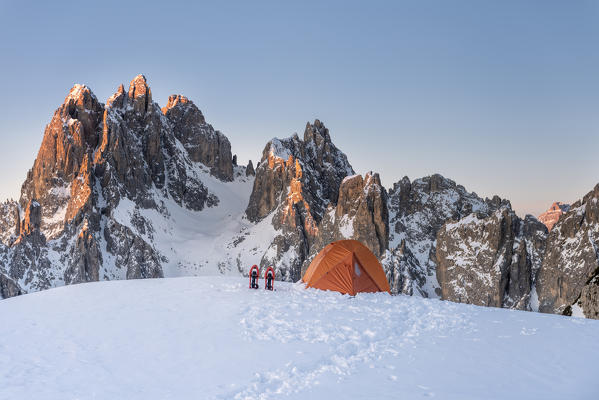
[501, 96]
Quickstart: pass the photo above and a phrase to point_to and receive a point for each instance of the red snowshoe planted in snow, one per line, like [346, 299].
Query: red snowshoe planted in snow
[269, 278]
[254, 276]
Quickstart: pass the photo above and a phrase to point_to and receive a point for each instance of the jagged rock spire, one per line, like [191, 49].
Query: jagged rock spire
[117, 99]
[201, 141]
[249, 170]
[140, 94]
[174, 100]
[32, 219]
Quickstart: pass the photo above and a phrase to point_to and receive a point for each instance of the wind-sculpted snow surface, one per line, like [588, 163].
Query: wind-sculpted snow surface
[212, 338]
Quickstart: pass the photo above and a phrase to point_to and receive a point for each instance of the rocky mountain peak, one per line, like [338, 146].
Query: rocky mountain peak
[72, 134]
[81, 112]
[249, 169]
[174, 100]
[551, 216]
[314, 165]
[116, 100]
[99, 168]
[296, 182]
[179, 107]
[203, 143]
[140, 94]
[353, 187]
[316, 132]
[82, 96]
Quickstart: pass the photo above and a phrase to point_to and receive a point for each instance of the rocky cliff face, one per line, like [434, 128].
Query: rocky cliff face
[360, 213]
[504, 261]
[296, 180]
[10, 222]
[201, 141]
[587, 304]
[490, 260]
[551, 216]
[312, 169]
[572, 259]
[417, 210]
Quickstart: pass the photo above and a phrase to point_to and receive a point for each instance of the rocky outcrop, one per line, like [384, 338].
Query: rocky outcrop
[10, 222]
[403, 271]
[249, 170]
[140, 95]
[33, 218]
[361, 214]
[71, 135]
[202, 142]
[489, 261]
[296, 181]
[417, 210]
[551, 216]
[571, 258]
[85, 260]
[8, 288]
[314, 166]
[364, 202]
[587, 304]
[589, 297]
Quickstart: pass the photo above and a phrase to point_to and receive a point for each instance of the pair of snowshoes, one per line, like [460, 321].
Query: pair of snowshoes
[269, 278]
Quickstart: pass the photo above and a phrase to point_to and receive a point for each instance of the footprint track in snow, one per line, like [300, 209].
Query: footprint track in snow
[354, 336]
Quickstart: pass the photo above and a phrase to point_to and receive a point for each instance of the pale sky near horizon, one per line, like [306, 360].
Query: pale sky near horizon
[500, 96]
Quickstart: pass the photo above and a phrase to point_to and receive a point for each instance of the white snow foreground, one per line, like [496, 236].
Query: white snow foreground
[213, 338]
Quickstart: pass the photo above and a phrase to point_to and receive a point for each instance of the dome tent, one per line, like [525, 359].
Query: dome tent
[348, 267]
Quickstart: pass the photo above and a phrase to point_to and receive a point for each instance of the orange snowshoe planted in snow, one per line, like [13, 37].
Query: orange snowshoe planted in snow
[254, 276]
[269, 278]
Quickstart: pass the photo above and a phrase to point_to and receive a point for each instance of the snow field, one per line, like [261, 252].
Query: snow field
[213, 338]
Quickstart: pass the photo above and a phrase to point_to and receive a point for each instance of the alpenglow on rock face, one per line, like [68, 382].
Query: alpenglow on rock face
[551, 216]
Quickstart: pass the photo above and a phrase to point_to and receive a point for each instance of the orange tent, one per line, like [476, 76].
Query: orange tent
[348, 267]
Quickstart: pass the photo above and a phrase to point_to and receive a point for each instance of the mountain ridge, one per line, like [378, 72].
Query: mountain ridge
[129, 189]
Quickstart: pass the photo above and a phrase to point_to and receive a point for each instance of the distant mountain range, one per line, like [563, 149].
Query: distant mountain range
[128, 189]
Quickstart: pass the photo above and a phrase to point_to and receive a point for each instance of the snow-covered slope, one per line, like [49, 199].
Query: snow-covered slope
[212, 241]
[212, 338]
